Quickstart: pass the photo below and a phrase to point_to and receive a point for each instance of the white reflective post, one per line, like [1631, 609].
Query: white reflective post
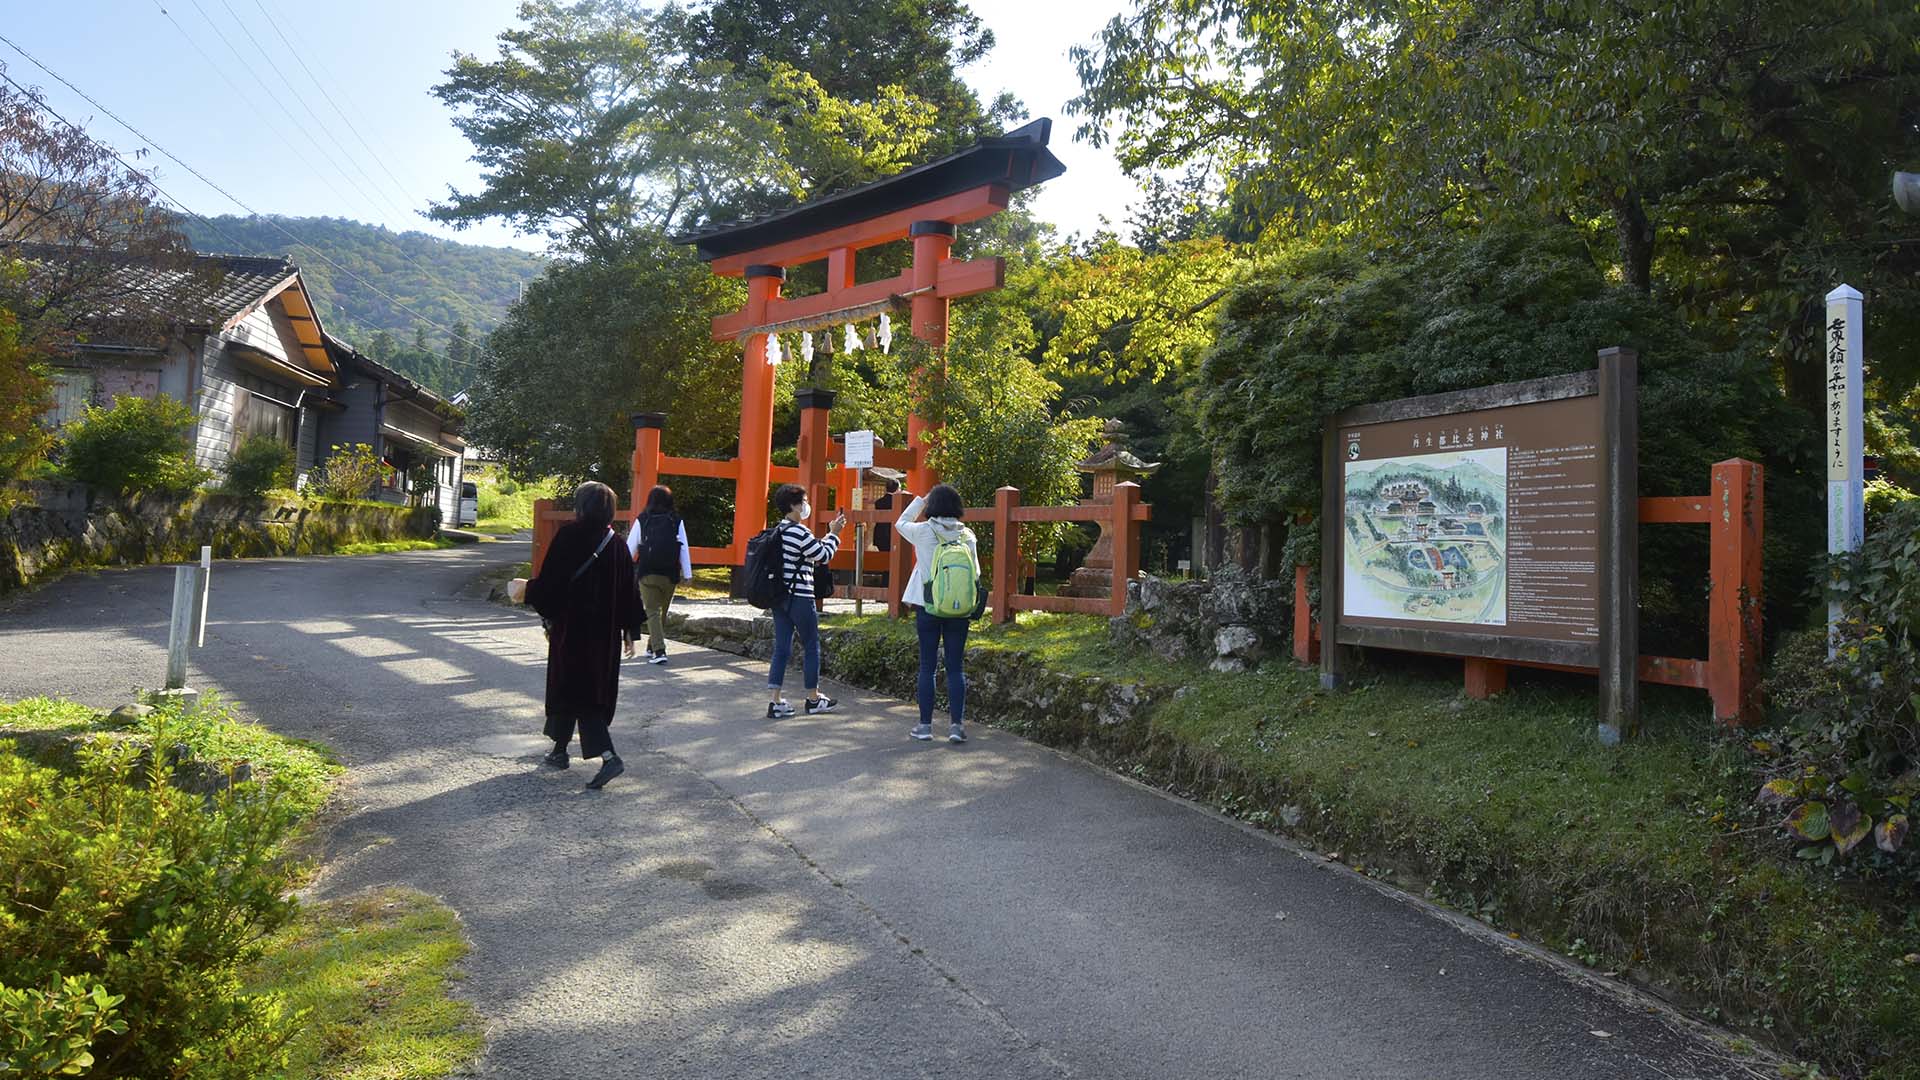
[200, 597]
[1846, 511]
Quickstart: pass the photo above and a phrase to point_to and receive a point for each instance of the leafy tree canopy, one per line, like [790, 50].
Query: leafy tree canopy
[602, 116]
[1736, 151]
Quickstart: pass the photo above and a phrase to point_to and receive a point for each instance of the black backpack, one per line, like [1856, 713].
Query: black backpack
[763, 580]
[660, 546]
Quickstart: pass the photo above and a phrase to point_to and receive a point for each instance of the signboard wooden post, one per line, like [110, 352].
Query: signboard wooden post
[859, 458]
[1846, 510]
[1497, 524]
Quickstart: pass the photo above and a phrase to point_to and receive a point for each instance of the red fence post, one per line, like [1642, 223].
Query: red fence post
[897, 570]
[1126, 544]
[543, 531]
[1733, 613]
[647, 429]
[1006, 553]
[1303, 650]
[1485, 677]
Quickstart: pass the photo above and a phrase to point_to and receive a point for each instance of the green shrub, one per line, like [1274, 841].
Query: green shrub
[258, 465]
[138, 445]
[50, 1032]
[1322, 329]
[506, 486]
[1848, 746]
[1882, 495]
[116, 879]
[350, 472]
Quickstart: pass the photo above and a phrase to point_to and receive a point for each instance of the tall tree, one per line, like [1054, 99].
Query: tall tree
[1736, 151]
[596, 119]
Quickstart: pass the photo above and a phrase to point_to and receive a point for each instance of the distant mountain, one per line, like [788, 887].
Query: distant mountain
[443, 282]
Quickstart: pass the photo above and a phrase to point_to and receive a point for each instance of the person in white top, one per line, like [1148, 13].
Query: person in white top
[658, 543]
[943, 509]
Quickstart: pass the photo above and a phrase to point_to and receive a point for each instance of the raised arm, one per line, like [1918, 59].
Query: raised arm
[909, 525]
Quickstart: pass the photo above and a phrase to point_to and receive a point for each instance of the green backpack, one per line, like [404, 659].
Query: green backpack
[952, 582]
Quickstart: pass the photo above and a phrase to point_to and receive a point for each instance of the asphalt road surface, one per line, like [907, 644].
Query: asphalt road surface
[822, 897]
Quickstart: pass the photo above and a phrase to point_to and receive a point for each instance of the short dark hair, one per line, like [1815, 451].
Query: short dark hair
[593, 503]
[788, 496]
[944, 502]
[660, 500]
[893, 485]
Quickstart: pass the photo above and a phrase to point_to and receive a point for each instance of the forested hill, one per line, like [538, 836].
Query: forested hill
[464, 288]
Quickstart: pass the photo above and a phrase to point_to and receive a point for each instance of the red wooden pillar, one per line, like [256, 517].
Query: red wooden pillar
[1126, 543]
[816, 413]
[1485, 678]
[932, 245]
[647, 429]
[756, 413]
[1006, 553]
[1303, 650]
[1737, 529]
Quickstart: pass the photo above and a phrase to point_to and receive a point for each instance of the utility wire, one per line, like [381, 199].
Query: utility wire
[373, 185]
[468, 309]
[378, 158]
[247, 66]
[124, 163]
[203, 178]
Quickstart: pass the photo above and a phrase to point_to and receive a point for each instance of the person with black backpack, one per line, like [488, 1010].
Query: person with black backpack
[785, 556]
[584, 592]
[658, 544]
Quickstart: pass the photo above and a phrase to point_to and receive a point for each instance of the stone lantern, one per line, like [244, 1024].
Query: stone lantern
[1111, 464]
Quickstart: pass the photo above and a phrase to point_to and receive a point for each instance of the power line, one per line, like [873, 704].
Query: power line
[470, 310]
[378, 158]
[372, 184]
[247, 66]
[124, 163]
[203, 178]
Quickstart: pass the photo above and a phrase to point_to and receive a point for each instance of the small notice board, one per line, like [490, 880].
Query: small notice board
[859, 450]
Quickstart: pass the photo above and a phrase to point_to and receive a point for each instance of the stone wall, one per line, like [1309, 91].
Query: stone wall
[66, 526]
[1232, 619]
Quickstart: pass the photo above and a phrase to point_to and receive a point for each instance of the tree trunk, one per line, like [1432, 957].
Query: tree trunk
[1636, 240]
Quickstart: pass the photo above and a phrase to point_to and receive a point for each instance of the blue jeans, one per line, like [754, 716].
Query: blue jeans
[935, 631]
[796, 614]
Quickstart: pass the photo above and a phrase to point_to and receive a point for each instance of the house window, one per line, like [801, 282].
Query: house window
[265, 418]
[72, 393]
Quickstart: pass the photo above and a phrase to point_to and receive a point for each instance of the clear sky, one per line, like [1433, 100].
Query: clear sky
[213, 82]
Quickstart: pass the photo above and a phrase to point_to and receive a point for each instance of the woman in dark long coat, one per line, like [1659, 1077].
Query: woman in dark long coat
[584, 590]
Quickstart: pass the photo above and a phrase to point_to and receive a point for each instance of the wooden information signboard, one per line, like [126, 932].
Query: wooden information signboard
[1496, 523]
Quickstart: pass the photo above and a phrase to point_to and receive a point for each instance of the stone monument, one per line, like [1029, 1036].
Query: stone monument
[1111, 464]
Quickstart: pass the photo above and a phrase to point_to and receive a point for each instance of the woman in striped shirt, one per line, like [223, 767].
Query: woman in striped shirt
[800, 550]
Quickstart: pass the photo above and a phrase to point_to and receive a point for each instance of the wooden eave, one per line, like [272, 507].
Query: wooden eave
[294, 304]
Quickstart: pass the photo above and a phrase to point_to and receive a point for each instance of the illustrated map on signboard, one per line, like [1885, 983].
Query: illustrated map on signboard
[1426, 537]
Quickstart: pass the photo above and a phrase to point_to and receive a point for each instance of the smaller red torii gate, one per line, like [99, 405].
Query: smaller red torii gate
[925, 204]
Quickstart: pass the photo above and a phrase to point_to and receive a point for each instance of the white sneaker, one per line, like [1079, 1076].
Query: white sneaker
[779, 710]
[657, 658]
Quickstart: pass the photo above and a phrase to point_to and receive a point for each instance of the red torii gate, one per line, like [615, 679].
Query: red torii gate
[924, 203]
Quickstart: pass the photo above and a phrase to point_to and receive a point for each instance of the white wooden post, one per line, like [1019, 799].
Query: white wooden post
[858, 456]
[205, 576]
[180, 631]
[1846, 510]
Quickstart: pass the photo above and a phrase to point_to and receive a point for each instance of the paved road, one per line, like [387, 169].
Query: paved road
[821, 897]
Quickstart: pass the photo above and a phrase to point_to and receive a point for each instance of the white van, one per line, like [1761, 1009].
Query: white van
[469, 505]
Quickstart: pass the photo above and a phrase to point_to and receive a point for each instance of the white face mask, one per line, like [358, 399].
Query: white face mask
[806, 510]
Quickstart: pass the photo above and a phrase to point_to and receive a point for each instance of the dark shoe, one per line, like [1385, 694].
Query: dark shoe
[779, 710]
[657, 658]
[609, 768]
[556, 758]
[923, 732]
[816, 706]
[956, 733]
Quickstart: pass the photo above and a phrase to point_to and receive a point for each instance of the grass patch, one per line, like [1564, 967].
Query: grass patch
[1650, 858]
[371, 973]
[707, 583]
[503, 505]
[1077, 644]
[208, 729]
[391, 547]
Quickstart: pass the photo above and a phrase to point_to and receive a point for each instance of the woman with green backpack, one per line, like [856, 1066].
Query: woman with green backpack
[944, 588]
